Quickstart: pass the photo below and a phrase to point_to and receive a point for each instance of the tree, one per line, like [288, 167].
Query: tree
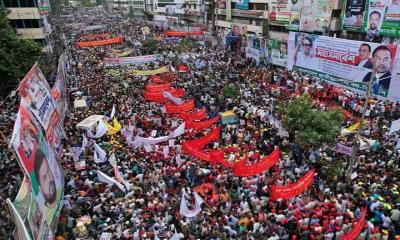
[230, 91]
[17, 55]
[311, 127]
[150, 46]
[87, 3]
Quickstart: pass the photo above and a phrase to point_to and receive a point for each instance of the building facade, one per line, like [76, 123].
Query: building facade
[29, 18]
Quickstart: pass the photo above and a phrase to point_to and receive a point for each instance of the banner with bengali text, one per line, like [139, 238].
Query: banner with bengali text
[292, 190]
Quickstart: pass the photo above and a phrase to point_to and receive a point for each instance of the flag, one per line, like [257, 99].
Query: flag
[185, 211]
[84, 142]
[101, 129]
[113, 129]
[112, 112]
[172, 68]
[99, 154]
[76, 152]
[395, 126]
[112, 160]
[101, 177]
[171, 97]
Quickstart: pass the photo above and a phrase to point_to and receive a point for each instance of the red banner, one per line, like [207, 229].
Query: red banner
[156, 79]
[182, 34]
[158, 87]
[182, 68]
[100, 42]
[292, 190]
[259, 167]
[203, 141]
[202, 124]
[218, 157]
[212, 156]
[184, 107]
[193, 116]
[158, 97]
[167, 77]
[356, 228]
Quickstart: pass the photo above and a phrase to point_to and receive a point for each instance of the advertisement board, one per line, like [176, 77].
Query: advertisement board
[391, 22]
[242, 4]
[276, 52]
[347, 62]
[376, 12]
[353, 15]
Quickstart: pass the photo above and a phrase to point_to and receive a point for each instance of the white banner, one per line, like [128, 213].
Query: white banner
[141, 141]
[101, 177]
[171, 97]
[101, 129]
[395, 126]
[99, 154]
[185, 211]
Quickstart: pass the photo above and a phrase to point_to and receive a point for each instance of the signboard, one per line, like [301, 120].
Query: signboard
[353, 15]
[228, 10]
[346, 62]
[253, 54]
[391, 21]
[44, 7]
[376, 11]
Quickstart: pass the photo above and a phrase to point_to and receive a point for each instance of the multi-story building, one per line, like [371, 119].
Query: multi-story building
[29, 18]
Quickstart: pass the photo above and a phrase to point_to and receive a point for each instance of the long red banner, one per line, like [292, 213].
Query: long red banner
[159, 97]
[158, 87]
[259, 167]
[212, 156]
[292, 190]
[100, 42]
[202, 124]
[193, 116]
[203, 141]
[356, 228]
[184, 107]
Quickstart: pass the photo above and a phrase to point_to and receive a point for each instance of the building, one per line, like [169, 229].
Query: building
[29, 18]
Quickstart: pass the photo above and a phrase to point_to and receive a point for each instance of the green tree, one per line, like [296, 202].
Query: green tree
[17, 55]
[87, 3]
[230, 91]
[150, 45]
[311, 127]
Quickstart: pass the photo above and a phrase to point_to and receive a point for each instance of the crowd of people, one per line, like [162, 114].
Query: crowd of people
[243, 208]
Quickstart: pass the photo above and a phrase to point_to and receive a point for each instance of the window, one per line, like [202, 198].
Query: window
[31, 23]
[10, 3]
[17, 23]
[27, 3]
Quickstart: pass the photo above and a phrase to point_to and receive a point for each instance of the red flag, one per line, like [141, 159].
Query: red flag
[184, 107]
[201, 142]
[259, 167]
[183, 68]
[202, 124]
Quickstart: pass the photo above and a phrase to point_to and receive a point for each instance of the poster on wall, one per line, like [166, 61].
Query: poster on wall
[346, 62]
[295, 8]
[40, 165]
[35, 91]
[279, 14]
[376, 12]
[276, 52]
[391, 22]
[353, 15]
[228, 10]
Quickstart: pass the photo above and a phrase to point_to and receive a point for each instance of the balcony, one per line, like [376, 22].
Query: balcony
[23, 13]
[31, 33]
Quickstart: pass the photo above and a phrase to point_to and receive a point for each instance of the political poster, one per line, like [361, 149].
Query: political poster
[59, 90]
[308, 16]
[353, 15]
[323, 15]
[242, 4]
[276, 52]
[376, 12]
[35, 91]
[346, 62]
[40, 165]
[391, 22]
[279, 13]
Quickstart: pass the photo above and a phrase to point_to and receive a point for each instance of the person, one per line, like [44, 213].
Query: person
[359, 20]
[381, 59]
[374, 22]
[283, 50]
[393, 11]
[296, 5]
[325, 26]
[272, 15]
[349, 19]
[303, 56]
[318, 25]
[45, 179]
[364, 53]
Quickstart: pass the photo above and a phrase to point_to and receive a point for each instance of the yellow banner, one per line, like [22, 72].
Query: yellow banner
[113, 129]
[151, 72]
[354, 127]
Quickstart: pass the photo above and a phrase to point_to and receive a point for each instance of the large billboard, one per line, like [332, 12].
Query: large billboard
[354, 15]
[242, 4]
[376, 12]
[276, 52]
[316, 15]
[391, 21]
[346, 62]
[40, 165]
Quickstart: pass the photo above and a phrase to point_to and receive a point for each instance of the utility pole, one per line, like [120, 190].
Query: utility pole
[356, 147]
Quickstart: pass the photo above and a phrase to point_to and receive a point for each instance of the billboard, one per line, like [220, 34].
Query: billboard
[35, 91]
[376, 11]
[59, 90]
[242, 4]
[40, 165]
[391, 22]
[280, 12]
[228, 10]
[316, 15]
[276, 52]
[44, 7]
[346, 62]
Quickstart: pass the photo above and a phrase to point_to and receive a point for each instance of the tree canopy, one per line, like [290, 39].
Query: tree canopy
[17, 55]
[311, 127]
